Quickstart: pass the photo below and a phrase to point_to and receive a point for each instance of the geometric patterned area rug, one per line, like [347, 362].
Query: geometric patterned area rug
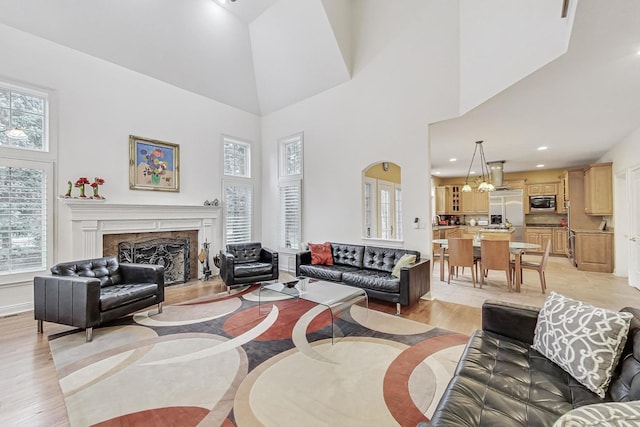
[219, 361]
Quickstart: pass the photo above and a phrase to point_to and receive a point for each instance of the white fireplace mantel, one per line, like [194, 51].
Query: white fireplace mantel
[91, 219]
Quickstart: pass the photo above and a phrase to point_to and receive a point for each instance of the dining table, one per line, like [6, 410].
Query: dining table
[516, 248]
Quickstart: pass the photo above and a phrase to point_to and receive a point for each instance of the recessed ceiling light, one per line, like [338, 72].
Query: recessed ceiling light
[222, 1]
[453, 159]
[539, 166]
[437, 173]
[542, 148]
[472, 173]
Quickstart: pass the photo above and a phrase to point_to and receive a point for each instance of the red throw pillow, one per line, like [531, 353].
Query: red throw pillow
[321, 253]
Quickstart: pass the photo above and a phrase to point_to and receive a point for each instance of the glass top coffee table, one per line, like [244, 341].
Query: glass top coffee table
[334, 296]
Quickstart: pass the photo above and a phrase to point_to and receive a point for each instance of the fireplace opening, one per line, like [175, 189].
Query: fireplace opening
[172, 254]
[175, 250]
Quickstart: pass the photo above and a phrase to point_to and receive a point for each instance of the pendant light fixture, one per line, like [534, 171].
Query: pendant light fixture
[484, 185]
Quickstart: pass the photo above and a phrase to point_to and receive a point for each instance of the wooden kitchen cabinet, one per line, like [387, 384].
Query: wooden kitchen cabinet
[598, 189]
[594, 251]
[565, 185]
[441, 200]
[444, 233]
[448, 200]
[475, 202]
[559, 246]
[545, 189]
[560, 198]
[538, 236]
[515, 184]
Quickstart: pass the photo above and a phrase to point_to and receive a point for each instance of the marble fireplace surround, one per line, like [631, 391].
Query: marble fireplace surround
[91, 220]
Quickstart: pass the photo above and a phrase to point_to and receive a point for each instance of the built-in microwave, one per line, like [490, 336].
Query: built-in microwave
[542, 203]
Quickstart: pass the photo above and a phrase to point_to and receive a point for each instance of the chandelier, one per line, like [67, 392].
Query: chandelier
[484, 185]
[15, 134]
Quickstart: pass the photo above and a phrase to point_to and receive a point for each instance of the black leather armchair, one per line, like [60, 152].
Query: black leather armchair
[88, 293]
[248, 263]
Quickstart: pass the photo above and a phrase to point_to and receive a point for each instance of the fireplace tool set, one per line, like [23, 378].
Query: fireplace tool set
[204, 260]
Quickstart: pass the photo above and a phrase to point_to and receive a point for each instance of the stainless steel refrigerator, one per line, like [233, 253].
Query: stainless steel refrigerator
[506, 205]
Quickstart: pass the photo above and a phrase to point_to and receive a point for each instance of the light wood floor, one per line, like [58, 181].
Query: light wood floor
[30, 394]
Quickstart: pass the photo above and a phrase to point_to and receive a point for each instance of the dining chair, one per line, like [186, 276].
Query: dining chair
[461, 255]
[494, 255]
[453, 234]
[539, 267]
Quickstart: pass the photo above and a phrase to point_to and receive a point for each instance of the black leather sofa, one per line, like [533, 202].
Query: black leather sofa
[244, 263]
[88, 293]
[501, 381]
[369, 268]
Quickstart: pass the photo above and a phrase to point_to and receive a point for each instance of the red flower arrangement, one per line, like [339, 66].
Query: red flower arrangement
[80, 183]
[97, 182]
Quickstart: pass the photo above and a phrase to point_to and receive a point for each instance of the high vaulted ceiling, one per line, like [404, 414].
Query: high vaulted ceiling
[264, 55]
[256, 55]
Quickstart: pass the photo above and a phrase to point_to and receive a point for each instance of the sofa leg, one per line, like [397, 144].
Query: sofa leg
[89, 334]
[397, 309]
[40, 327]
[159, 307]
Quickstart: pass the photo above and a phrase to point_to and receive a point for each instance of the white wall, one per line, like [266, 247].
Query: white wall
[405, 76]
[624, 156]
[100, 104]
[503, 41]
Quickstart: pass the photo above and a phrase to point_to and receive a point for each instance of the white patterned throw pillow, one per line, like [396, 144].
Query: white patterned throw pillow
[584, 340]
[610, 414]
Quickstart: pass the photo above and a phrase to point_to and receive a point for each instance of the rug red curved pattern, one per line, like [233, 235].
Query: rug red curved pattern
[290, 312]
[174, 416]
[396, 381]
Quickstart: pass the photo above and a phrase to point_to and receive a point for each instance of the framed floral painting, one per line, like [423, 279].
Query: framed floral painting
[153, 165]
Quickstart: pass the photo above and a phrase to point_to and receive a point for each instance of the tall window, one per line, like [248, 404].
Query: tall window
[290, 155]
[237, 189]
[26, 168]
[399, 231]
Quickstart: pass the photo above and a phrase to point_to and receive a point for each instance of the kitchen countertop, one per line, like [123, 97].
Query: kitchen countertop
[497, 230]
[584, 230]
[444, 227]
[544, 226]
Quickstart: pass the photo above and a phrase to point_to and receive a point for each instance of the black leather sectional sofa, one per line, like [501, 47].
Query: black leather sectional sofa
[501, 381]
[369, 268]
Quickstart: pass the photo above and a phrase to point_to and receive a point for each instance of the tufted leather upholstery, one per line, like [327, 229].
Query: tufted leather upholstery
[245, 252]
[331, 273]
[370, 267]
[248, 263]
[104, 269]
[88, 293]
[626, 385]
[350, 255]
[501, 381]
[384, 259]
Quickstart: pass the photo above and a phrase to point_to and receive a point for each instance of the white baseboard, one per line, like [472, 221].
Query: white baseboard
[427, 296]
[9, 310]
[16, 298]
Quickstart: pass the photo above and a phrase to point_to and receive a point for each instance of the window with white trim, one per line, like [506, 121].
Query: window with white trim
[238, 212]
[290, 156]
[237, 191]
[26, 182]
[237, 158]
[290, 214]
